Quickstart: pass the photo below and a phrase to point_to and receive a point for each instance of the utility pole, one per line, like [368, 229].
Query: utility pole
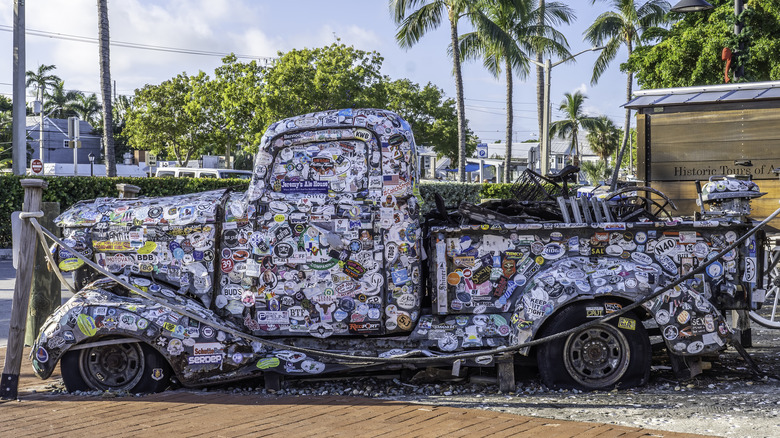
[544, 142]
[19, 137]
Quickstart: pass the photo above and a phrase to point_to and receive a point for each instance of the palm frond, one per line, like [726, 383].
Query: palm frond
[605, 57]
[414, 26]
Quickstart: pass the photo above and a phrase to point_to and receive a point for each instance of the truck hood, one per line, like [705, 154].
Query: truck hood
[169, 210]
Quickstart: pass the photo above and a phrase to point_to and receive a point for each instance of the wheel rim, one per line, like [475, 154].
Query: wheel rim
[112, 367]
[597, 357]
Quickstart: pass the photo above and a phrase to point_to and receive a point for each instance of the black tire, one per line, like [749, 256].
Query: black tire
[601, 357]
[133, 367]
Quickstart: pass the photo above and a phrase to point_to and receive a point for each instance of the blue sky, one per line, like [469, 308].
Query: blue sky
[262, 28]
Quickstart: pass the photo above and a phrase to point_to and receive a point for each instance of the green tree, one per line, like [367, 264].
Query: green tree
[521, 31]
[308, 80]
[60, 102]
[572, 106]
[121, 106]
[689, 53]
[41, 80]
[595, 172]
[628, 24]
[235, 110]
[6, 133]
[87, 107]
[433, 117]
[168, 119]
[604, 137]
[416, 17]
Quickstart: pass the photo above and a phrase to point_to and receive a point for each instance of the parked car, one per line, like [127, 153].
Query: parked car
[190, 172]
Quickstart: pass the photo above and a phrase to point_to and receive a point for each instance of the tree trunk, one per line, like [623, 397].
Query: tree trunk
[627, 126]
[540, 81]
[509, 120]
[458, 95]
[105, 88]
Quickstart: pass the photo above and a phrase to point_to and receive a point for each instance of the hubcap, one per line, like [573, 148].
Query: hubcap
[597, 357]
[112, 367]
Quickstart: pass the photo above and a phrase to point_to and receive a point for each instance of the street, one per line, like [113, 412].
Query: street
[7, 280]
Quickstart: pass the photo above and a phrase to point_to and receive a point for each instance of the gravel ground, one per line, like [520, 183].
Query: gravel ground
[727, 400]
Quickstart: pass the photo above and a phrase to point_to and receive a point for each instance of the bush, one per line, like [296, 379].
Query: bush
[454, 193]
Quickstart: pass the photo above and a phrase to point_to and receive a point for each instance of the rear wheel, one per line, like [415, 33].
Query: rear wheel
[607, 355]
[132, 367]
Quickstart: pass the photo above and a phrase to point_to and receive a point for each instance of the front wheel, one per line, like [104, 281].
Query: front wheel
[132, 366]
[607, 355]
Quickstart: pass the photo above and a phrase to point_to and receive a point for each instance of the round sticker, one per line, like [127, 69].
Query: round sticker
[662, 317]
[715, 269]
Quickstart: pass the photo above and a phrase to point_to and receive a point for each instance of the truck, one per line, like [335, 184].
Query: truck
[325, 264]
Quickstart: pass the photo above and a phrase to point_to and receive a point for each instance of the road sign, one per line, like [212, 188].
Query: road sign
[151, 160]
[73, 127]
[36, 166]
[482, 150]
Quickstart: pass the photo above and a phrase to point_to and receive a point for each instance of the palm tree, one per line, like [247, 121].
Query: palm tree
[604, 138]
[416, 17]
[87, 107]
[625, 25]
[575, 119]
[41, 80]
[60, 101]
[105, 87]
[595, 172]
[521, 36]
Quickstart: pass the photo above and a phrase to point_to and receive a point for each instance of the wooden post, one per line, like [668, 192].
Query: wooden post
[506, 372]
[740, 322]
[128, 190]
[9, 383]
[46, 293]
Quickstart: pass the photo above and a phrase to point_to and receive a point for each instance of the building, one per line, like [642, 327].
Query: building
[55, 141]
[691, 134]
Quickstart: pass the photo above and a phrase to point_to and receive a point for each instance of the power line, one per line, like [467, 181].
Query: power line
[83, 39]
[501, 101]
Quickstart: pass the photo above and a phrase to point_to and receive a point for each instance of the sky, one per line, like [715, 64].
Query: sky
[262, 28]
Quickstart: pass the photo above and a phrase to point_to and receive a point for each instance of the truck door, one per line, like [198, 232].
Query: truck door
[315, 238]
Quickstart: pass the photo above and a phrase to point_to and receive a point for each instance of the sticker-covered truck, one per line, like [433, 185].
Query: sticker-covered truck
[325, 264]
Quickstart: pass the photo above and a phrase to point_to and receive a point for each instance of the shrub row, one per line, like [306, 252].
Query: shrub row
[69, 190]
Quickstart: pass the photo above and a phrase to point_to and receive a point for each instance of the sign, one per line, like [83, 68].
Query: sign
[36, 166]
[73, 127]
[151, 160]
[482, 150]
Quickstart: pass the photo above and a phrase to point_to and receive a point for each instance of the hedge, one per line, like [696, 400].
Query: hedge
[69, 190]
